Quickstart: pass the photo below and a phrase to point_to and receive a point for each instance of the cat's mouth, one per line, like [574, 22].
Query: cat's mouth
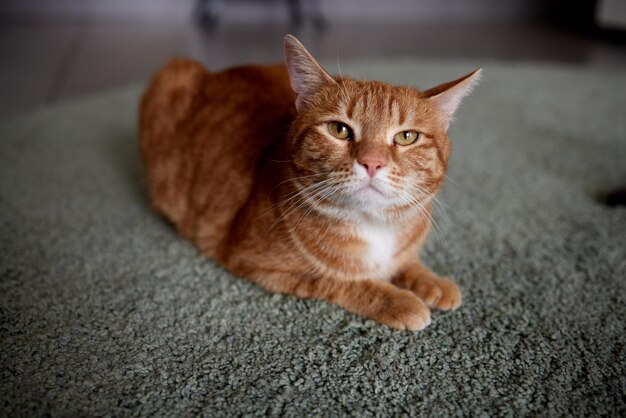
[369, 192]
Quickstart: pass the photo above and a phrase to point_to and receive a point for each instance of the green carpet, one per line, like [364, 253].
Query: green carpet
[105, 311]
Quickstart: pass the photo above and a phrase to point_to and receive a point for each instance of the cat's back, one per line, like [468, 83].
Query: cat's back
[202, 136]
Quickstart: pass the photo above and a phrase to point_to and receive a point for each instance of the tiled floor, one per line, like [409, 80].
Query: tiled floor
[46, 63]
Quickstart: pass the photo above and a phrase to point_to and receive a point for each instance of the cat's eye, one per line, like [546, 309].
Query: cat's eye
[406, 137]
[339, 130]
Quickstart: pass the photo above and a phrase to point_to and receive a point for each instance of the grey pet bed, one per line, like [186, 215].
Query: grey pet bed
[105, 311]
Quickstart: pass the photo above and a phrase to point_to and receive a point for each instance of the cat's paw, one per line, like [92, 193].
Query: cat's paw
[404, 311]
[438, 292]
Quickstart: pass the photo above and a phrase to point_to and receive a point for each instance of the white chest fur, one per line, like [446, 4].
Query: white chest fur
[381, 243]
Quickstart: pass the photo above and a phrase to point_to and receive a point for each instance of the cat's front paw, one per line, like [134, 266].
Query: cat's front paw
[438, 292]
[403, 311]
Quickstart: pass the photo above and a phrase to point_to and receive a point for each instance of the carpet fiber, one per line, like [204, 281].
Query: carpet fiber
[105, 311]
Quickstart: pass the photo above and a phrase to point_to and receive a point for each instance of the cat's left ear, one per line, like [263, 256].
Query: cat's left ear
[447, 96]
[306, 75]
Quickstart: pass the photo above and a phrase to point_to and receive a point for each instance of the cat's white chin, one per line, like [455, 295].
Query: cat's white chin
[369, 198]
[370, 193]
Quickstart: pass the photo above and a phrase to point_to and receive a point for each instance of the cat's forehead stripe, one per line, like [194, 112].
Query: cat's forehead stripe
[351, 103]
[395, 111]
[364, 102]
[375, 103]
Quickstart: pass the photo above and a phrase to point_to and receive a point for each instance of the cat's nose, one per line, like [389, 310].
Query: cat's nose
[371, 165]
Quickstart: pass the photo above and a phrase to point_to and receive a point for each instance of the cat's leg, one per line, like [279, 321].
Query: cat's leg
[438, 292]
[380, 301]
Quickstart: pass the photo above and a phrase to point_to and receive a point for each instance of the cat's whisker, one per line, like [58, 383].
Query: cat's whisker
[318, 196]
[288, 197]
[343, 89]
[294, 206]
[307, 200]
[441, 208]
[297, 194]
[296, 178]
[301, 200]
[427, 195]
[437, 204]
[309, 188]
[327, 192]
[411, 200]
[454, 182]
[292, 195]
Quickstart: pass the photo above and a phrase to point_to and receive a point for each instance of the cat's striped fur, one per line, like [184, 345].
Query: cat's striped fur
[247, 170]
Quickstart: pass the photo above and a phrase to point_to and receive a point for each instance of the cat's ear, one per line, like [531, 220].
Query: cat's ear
[448, 96]
[306, 75]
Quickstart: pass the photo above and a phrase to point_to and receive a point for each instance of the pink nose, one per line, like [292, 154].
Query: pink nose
[371, 165]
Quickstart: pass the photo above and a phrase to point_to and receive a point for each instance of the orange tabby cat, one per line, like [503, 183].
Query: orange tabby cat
[305, 183]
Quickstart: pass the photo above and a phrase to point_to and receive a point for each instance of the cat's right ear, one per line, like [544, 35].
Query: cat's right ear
[447, 97]
[306, 75]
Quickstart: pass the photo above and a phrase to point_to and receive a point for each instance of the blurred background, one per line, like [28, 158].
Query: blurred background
[52, 51]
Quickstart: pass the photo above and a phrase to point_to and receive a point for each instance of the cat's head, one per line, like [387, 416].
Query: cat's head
[368, 146]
